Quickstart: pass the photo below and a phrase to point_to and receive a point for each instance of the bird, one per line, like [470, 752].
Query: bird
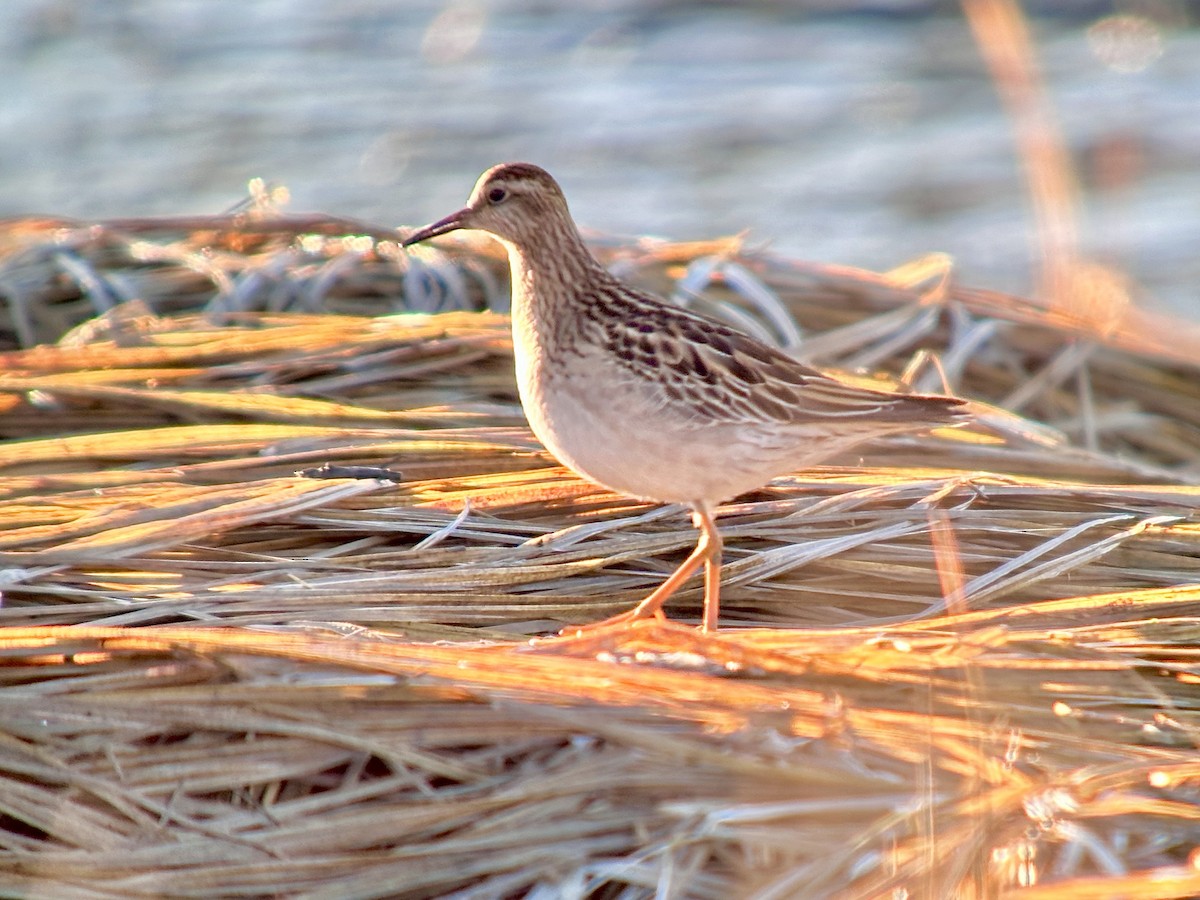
[649, 399]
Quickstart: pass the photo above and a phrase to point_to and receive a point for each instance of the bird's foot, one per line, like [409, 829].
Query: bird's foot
[620, 622]
[656, 641]
[621, 635]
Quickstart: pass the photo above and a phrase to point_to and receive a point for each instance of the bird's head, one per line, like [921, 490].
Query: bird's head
[516, 202]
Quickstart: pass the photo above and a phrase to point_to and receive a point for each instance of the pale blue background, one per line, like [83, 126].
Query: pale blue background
[862, 133]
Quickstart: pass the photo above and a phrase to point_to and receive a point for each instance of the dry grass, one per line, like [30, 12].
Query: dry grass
[965, 666]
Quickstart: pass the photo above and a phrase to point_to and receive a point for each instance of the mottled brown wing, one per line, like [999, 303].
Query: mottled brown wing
[729, 377]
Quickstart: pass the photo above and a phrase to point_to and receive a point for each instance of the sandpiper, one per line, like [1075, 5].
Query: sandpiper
[651, 400]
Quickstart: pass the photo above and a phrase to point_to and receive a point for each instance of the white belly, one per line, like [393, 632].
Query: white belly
[615, 435]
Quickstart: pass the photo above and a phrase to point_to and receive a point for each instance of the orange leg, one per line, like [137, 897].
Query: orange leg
[708, 551]
[703, 518]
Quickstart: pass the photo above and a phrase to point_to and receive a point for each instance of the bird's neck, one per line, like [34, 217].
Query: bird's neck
[551, 275]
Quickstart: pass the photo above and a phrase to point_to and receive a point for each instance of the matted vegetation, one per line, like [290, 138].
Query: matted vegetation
[956, 665]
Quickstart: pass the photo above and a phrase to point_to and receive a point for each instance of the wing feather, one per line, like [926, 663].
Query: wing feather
[731, 378]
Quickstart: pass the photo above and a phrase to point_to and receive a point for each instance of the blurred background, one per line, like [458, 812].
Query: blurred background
[859, 133]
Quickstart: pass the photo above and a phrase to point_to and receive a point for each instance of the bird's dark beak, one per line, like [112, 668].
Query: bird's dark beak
[452, 222]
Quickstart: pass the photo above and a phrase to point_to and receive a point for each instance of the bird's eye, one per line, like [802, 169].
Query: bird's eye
[497, 195]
